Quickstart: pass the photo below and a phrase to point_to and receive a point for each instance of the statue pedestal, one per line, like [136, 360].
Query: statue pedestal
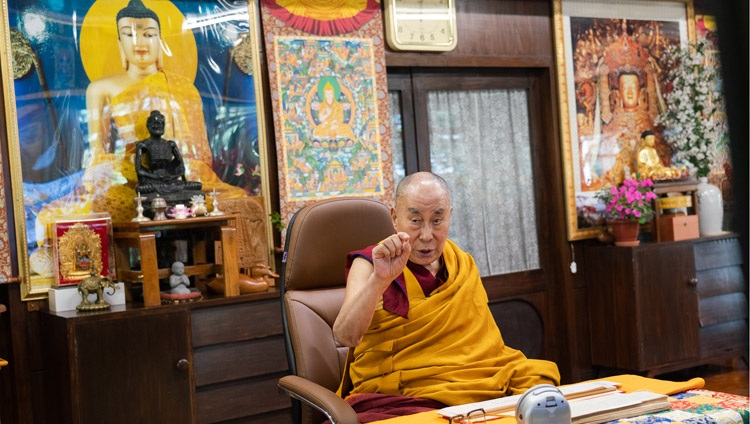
[67, 298]
[678, 196]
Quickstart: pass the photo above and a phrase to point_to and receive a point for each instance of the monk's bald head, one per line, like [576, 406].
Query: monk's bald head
[419, 181]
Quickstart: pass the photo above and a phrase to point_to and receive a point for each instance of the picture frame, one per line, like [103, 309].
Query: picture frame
[68, 152]
[82, 247]
[598, 43]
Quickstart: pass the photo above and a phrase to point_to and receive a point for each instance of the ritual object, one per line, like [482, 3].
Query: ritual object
[139, 209]
[179, 283]
[159, 206]
[215, 204]
[198, 205]
[160, 167]
[94, 284]
[180, 212]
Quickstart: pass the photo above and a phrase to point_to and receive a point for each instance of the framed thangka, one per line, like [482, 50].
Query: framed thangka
[82, 247]
[611, 77]
[327, 77]
[81, 78]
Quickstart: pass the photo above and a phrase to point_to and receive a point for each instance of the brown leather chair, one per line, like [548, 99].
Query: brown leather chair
[318, 238]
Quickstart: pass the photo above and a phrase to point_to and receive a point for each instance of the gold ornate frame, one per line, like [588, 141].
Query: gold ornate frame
[566, 89]
[35, 286]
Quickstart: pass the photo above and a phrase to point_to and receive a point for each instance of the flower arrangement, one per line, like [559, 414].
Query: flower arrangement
[630, 201]
[692, 122]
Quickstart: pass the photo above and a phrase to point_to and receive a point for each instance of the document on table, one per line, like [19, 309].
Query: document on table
[508, 403]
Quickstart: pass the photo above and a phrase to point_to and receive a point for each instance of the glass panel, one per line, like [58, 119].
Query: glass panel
[397, 135]
[480, 143]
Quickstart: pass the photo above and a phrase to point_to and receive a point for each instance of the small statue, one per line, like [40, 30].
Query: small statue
[198, 205]
[160, 167]
[94, 284]
[649, 163]
[178, 281]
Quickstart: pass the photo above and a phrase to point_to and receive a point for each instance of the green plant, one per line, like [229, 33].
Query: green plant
[278, 221]
[630, 201]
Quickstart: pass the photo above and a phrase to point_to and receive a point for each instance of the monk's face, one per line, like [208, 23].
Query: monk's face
[140, 40]
[629, 90]
[423, 212]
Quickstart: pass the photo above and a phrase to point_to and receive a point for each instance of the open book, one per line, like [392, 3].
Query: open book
[615, 406]
[590, 403]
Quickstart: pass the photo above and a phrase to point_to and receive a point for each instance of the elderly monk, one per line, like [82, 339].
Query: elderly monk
[416, 315]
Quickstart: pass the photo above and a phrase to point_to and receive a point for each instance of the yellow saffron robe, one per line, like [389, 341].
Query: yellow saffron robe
[449, 349]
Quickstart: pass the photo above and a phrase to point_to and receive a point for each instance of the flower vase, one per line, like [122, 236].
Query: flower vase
[625, 232]
[710, 208]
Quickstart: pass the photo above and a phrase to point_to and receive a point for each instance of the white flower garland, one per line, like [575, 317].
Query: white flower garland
[692, 124]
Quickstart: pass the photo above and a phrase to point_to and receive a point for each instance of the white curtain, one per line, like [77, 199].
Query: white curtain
[397, 137]
[479, 142]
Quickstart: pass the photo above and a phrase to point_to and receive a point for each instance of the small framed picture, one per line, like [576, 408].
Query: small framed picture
[82, 246]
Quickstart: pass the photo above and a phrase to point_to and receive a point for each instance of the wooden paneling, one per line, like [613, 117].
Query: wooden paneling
[509, 33]
[240, 399]
[233, 361]
[243, 321]
[718, 281]
[717, 253]
[723, 308]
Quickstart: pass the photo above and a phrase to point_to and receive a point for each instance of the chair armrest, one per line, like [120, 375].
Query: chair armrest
[320, 398]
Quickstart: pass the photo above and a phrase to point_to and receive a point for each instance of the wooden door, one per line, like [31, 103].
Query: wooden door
[122, 367]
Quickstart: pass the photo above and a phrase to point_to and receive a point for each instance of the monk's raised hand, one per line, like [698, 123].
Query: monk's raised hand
[390, 256]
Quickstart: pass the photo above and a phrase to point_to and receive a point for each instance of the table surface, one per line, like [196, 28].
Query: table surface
[690, 405]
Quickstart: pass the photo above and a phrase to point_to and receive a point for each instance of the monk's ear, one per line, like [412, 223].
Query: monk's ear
[123, 58]
[393, 218]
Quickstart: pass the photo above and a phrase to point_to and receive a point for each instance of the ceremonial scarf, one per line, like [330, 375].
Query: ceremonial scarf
[449, 349]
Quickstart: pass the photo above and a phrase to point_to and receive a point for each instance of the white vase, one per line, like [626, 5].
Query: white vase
[710, 208]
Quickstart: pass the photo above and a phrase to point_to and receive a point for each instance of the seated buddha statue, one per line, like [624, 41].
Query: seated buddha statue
[160, 168]
[649, 163]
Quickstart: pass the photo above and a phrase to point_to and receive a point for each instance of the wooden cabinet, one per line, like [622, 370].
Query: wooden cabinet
[659, 307]
[210, 361]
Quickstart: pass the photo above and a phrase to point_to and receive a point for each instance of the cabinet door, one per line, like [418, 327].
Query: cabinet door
[667, 299]
[127, 369]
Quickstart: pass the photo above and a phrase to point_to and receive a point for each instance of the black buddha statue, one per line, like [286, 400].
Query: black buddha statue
[160, 167]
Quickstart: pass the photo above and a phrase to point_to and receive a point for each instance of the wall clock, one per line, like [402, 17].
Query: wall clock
[421, 25]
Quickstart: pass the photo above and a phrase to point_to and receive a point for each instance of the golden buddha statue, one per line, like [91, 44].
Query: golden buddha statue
[649, 163]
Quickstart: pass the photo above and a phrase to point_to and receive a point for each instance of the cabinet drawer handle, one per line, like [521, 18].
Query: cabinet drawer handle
[693, 282]
[183, 365]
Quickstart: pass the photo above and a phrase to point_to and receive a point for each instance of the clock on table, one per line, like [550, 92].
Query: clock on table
[421, 25]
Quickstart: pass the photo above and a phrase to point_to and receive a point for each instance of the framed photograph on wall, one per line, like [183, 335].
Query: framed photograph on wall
[82, 247]
[611, 80]
[80, 78]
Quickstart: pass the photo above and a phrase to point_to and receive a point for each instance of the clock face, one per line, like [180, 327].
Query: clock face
[421, 24]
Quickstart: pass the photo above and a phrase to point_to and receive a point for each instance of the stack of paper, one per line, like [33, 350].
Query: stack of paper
[615, 405]
[508, 403]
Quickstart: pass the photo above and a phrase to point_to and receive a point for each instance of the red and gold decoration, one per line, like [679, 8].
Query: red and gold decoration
[330, 104]
[82, 246]
[332, 17]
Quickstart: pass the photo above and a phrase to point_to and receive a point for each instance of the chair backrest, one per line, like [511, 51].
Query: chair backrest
[318, 239]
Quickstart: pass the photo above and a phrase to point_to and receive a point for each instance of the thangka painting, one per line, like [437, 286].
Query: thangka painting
[612, 80]
[330, 102]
